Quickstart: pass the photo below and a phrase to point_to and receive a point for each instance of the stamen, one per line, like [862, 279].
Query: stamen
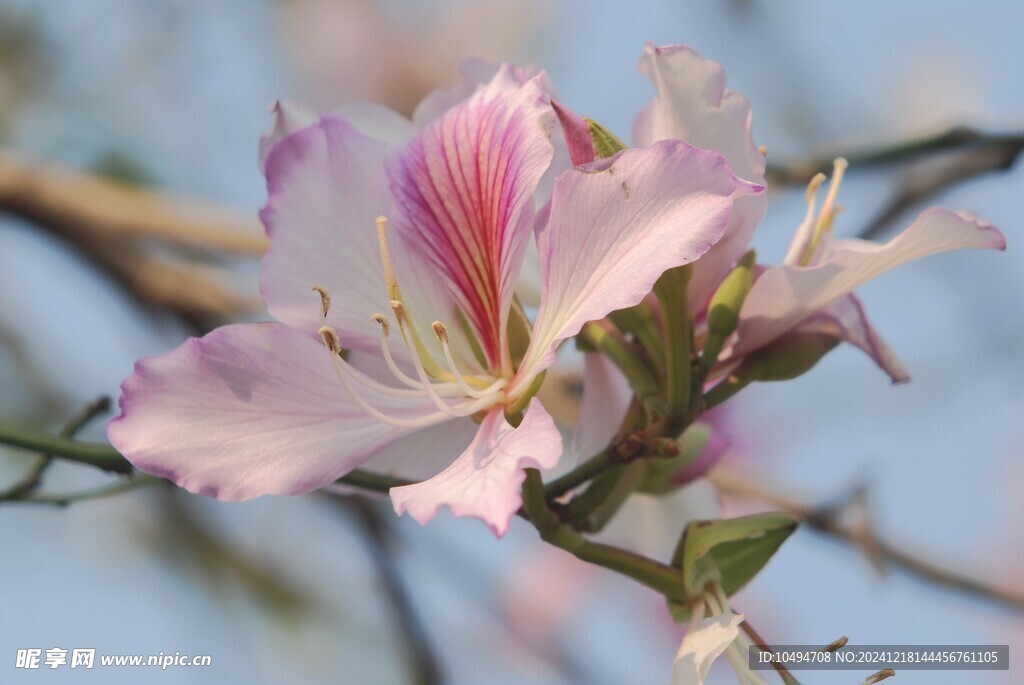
[827, 217]
[331, 340]
[428, 387]
[385, 331]
[325, 300]
[441, 331]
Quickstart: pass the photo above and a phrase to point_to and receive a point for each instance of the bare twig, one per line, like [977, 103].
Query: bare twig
[31, 480]
[957, 138]
[940, 161]
[829, 520]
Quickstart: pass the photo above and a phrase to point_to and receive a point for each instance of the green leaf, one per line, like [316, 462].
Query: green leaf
[730, 551]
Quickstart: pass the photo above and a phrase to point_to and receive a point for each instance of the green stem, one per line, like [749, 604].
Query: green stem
[94, 493]
[671, 292]
[374, 482]
[89, 453]
[632, 366]
[661, 578]
[640, 321]
[588, 470]
[31, 480]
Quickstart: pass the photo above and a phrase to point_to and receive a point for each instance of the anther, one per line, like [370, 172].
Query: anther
[812, 187]
[879, 677]
[325, 299]
[331, 340]
[837, 645]
[384, 324]
[441, 331]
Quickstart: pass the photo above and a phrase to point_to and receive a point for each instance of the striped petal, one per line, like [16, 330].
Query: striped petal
[464, 190]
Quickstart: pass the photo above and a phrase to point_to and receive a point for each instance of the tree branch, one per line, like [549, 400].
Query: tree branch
[828, 521]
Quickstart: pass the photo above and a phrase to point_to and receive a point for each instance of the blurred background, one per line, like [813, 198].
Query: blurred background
[172, 96]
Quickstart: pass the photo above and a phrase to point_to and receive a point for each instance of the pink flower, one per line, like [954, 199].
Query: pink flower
[813, 289]
[258, 409]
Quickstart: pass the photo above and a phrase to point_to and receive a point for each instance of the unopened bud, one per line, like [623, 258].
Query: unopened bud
[724, 310]
[606, 144]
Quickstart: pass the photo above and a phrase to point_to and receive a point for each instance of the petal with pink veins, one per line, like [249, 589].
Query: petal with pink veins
[464, 189]
[250, 410]
[787, 295]
[692, 103]
[615, 226]
[326, 186]
[484, 481]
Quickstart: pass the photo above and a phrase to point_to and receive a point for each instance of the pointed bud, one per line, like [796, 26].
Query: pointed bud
[724, 310]
[605, 142]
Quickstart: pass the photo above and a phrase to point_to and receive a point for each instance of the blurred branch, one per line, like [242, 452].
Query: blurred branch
[114, 225]
[34, 478]
[958, 138]
[955, 156]
[829, 520]
[379, 536]
[71, 202]
[100, 492]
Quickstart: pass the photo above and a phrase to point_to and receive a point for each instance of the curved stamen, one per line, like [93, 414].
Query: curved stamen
[428, 387]
[828, 210]
[385, 331]
[330, 338]
[441, 331]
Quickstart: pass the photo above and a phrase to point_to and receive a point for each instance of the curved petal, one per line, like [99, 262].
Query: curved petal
[484, 481]
[370, 119]
[289, 117]
[606, 398]
[377, 121]
[693, 104]
[615, 226]
[705, 641]
[846, 319]
[475, 73]
[464, 188]
[326, 186]
[784, 296]
[249, 410]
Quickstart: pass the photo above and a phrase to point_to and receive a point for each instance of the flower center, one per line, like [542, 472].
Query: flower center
[453, 393]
